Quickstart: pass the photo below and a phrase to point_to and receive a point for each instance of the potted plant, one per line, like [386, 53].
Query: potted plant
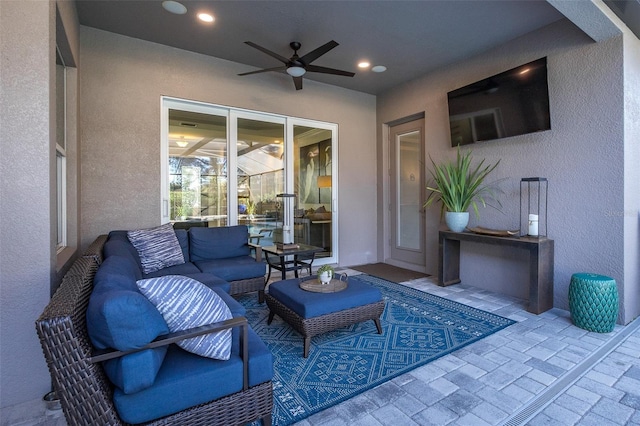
[251, 209]
[457, 186]
[325, 274]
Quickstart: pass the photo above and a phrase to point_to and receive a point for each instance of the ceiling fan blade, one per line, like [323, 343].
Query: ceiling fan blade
[264, 70]
[268, 52]
[325, 70]
[315, 54]
[298, 82]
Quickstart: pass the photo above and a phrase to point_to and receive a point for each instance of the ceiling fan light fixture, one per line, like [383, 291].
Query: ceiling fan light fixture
[296, 71]
[206, 17]
[379, 68]
[174, 7]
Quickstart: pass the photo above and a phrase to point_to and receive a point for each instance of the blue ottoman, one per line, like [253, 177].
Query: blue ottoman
[311, 313]
[593, 302]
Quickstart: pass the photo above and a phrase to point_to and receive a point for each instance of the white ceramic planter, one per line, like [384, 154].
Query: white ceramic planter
[325, 277]
[456, 221]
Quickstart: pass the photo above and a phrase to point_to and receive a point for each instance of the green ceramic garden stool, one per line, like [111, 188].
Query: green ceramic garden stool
[593, 302]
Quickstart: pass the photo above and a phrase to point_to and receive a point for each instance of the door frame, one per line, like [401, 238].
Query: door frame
[232, 114]
[386, 193]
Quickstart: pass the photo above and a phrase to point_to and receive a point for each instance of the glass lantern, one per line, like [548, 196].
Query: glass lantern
[534, 194]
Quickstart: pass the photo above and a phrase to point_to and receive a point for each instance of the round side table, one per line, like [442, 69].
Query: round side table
[593, 302]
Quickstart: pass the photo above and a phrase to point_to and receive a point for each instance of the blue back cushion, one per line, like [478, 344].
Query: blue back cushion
[218, 243]
[183, 239]
[118, 315]
[137, 371]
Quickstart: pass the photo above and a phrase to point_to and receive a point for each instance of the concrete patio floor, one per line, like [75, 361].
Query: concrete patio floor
[540, 371]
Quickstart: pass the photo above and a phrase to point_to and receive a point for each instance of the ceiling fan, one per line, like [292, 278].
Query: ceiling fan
[297, 66]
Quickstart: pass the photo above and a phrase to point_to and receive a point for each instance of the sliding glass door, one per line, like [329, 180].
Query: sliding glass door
[259, 159]
[275, 174]
[313, 182]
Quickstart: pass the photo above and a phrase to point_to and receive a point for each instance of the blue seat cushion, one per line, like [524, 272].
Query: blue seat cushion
[308, 304]
[218, 243]
[210, 280]
[182, 269]
[186, 380]
[236, 308]
[234, 268]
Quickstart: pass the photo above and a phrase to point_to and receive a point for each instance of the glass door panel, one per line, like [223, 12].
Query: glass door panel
[197, 169]
[273, 173]
[313, 183]
[408, 205]
[260, 178]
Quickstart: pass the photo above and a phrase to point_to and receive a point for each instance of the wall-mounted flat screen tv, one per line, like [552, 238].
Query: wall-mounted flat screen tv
[511, 103]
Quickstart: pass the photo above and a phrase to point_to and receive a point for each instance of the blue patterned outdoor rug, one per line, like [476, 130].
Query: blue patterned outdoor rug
[417, 328]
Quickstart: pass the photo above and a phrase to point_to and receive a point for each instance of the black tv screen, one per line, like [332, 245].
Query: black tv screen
[511, 103]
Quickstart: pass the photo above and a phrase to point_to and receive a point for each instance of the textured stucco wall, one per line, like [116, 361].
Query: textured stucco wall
[631, 211]
[122, 81]
[26, 252]
[581, 156]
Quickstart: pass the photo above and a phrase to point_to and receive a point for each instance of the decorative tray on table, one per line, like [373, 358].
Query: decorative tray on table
[494, 232]
[311, 283]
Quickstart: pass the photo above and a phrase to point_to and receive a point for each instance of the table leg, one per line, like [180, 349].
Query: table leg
[283, 265]
[448, 262]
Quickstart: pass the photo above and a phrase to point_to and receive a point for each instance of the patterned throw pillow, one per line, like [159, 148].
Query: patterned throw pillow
[186, 303]
[157, 247]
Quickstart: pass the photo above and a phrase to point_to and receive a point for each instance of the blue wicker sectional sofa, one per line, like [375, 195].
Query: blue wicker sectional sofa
[136, 339]
[218, 257]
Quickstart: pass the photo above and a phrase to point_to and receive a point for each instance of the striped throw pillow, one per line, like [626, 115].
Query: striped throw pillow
[186, 303]
[157, 247]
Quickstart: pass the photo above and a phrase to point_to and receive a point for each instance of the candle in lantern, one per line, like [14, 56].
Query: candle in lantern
[533, 225]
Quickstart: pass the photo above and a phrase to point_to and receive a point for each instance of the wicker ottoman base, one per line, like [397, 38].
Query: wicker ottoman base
[313, 326]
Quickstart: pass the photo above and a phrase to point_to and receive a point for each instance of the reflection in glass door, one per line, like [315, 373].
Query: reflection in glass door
[313, 183]
[260, 178]
[197, 169]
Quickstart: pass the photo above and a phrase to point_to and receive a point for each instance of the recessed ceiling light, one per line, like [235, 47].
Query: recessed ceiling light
[364, 64]
[379, 68]
[174, 7]
[206, 17]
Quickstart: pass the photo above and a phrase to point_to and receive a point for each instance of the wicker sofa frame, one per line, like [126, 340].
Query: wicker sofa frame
[85, 392]
[314, 326]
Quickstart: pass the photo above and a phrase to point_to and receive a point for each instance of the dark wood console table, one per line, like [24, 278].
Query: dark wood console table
[540, 263]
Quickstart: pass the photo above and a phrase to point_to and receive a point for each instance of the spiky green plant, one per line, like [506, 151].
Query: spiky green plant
[457, 186]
